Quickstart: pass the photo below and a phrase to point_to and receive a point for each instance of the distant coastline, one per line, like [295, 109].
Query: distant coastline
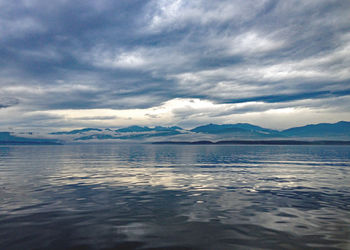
[256, 142]
[238, 133]
[29, 143]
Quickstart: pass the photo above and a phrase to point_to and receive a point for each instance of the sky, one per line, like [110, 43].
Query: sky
[102, 63]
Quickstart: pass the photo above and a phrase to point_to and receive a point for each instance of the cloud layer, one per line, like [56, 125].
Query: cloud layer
[243, 61]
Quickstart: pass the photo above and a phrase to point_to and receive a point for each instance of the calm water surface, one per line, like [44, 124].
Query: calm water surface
[109, 196]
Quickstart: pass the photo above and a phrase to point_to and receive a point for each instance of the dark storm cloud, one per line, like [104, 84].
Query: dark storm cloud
[139, 54]
[6, 102]
[291, 97]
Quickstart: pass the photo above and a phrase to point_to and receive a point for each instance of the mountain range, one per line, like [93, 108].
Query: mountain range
[8, 138]
[210, 132]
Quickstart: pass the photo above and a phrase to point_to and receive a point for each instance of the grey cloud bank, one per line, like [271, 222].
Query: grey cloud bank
[115, 63]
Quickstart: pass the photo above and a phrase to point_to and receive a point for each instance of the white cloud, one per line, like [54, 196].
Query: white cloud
[248, 43]
[114, 58]
[164, 14]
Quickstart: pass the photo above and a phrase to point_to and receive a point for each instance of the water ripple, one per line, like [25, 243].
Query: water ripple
[174, 197]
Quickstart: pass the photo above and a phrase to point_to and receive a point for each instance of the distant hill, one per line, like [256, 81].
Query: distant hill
[339, 130]
[210, 132]
[239, 130]
[322, 130]
[7, 138]
[135, 132]
[150, 135]
[146, 129]
[160, 128]
[133, 129]
[95, 136]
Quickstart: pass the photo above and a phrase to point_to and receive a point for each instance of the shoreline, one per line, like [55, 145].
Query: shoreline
[257, 142]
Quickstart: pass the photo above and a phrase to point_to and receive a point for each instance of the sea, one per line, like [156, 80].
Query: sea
[144, 196]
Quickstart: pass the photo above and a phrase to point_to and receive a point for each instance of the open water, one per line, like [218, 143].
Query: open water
[138, 196]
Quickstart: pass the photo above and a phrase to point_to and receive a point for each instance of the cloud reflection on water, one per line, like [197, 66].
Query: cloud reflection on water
[158, 196]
